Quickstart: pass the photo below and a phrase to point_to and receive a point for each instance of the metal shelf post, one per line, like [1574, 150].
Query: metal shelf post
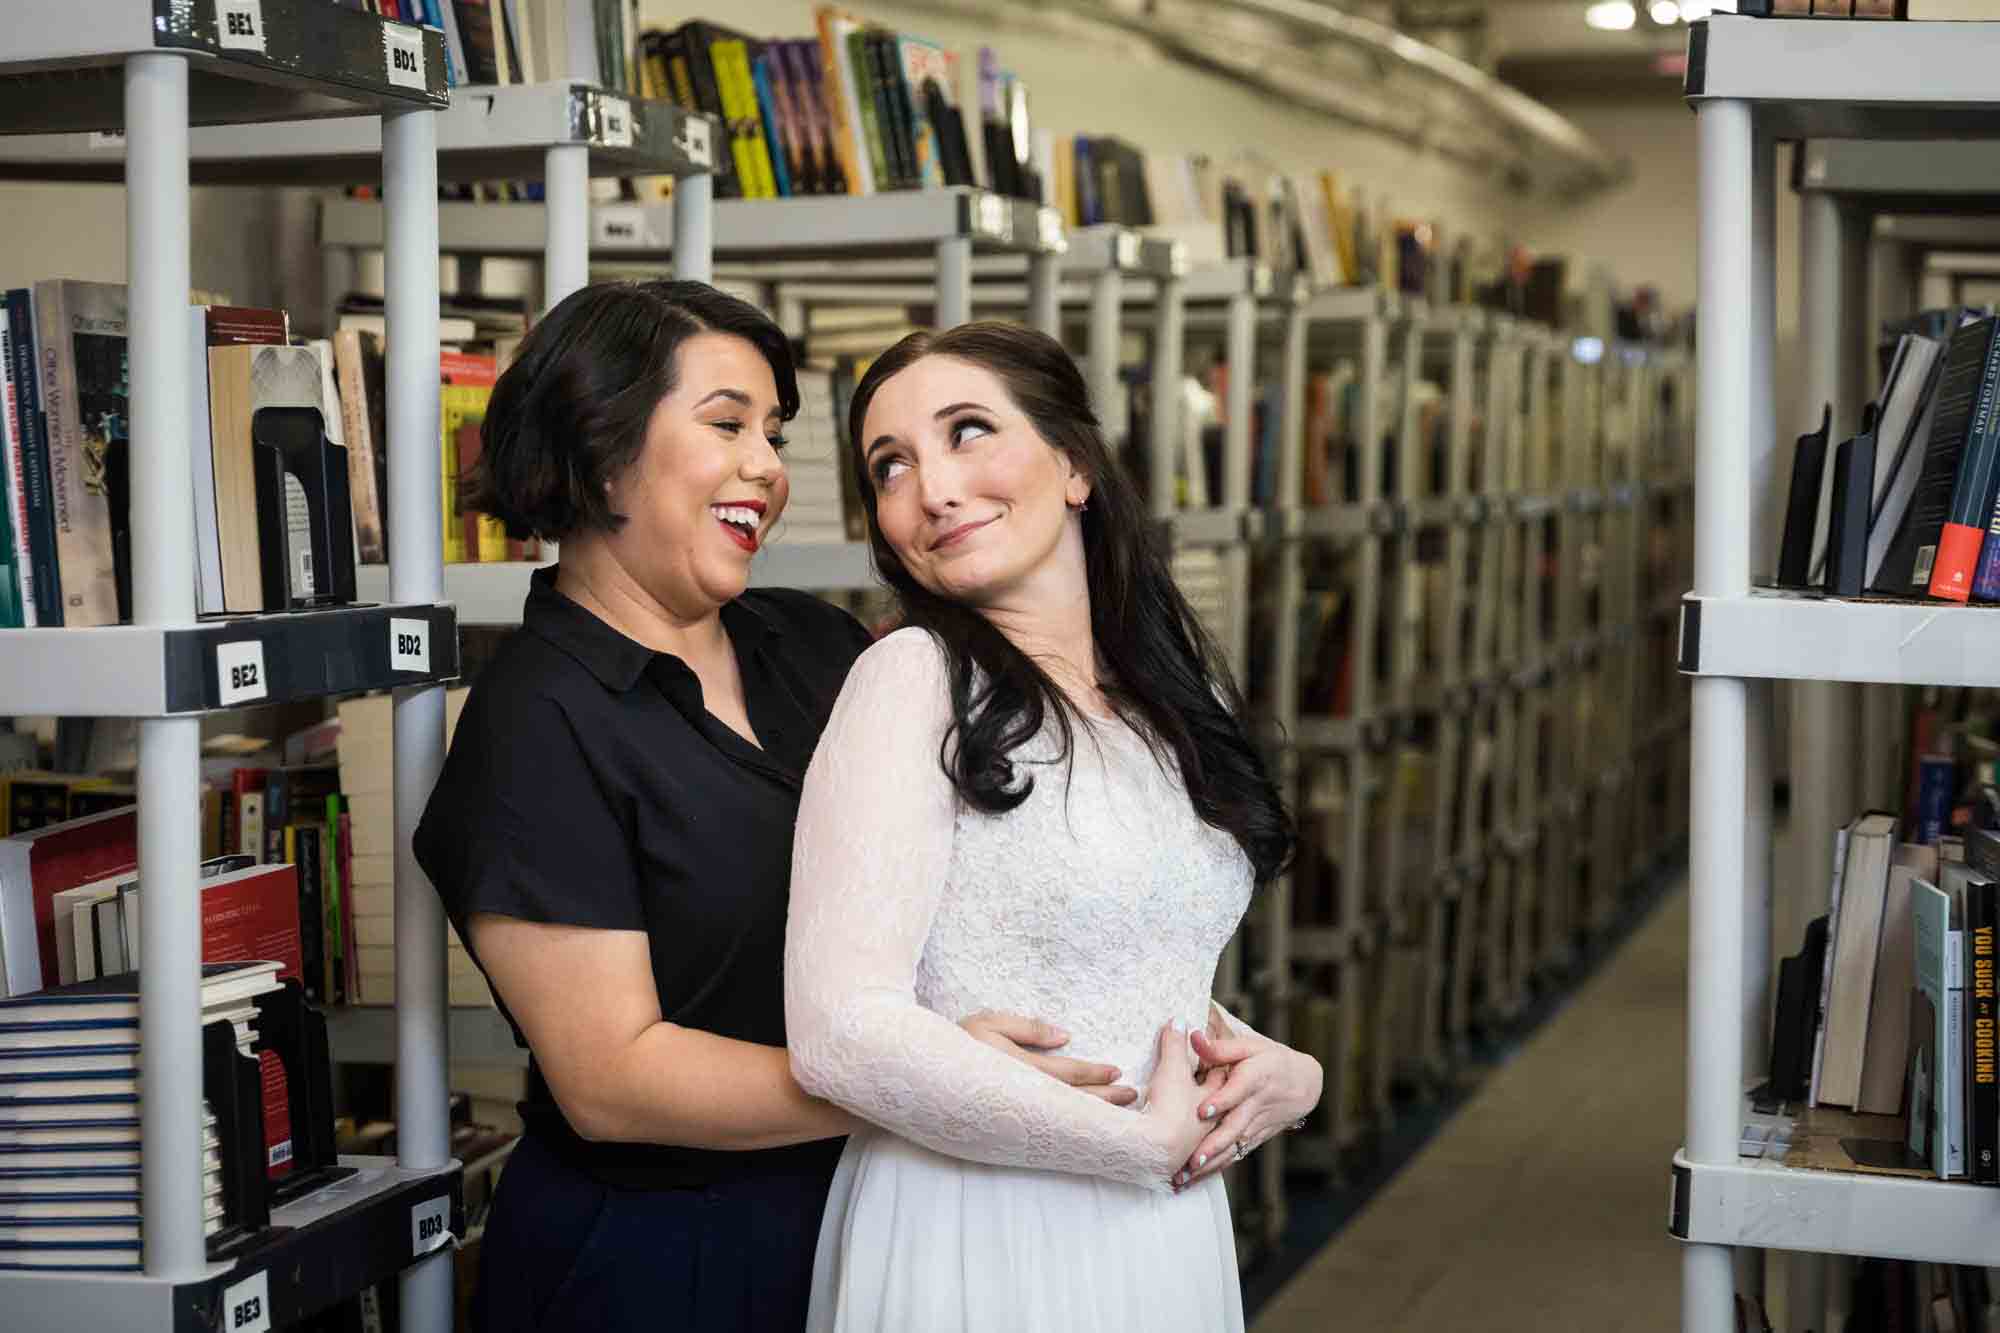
[156, 239]
[1044, 293]
[416, 575]
[954, 281]
[1107, 287]
[566, 247]
[1169, 348]
[694, 228]
[1724, 405]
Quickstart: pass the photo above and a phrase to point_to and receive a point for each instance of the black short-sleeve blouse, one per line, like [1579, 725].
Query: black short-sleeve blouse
[587, 785]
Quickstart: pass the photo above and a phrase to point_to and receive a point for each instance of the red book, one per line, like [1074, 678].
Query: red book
[37, 865]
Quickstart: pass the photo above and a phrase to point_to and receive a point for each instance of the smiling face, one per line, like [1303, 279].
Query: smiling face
[974, 502]
[708, 483]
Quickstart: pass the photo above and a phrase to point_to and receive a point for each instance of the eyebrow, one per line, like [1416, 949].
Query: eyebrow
[740, 398]
[951, 409]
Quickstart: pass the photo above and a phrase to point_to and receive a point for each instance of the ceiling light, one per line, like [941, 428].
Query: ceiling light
[1666, 13]
[1611, 15]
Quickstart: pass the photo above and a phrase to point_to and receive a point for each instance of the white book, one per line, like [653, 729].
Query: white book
[1826, 973]
[1901, 439]
[201, 470]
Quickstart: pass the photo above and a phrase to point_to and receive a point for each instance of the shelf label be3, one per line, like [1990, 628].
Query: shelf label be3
[239, 25]
[239, 672]
[246, 1306]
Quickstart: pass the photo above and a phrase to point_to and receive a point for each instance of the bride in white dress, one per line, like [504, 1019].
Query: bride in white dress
[996, 818]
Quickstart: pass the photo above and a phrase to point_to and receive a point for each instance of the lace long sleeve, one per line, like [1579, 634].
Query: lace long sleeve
[869, 862]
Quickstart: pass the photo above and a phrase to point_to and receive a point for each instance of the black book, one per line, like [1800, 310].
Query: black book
[1847, 523]
[689, 46]
[954, 155]
[1802, 505]
[1906, 570]
[885, 78]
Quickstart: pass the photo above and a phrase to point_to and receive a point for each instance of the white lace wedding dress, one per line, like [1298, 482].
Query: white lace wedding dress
[994, 1199]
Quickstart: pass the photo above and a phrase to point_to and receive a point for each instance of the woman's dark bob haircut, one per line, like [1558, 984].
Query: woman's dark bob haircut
[1158, 667]
[570, 414]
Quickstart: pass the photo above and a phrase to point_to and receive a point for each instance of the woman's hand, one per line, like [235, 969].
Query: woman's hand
[1266, 1089]
[1172, 1099]
[1025, 1039]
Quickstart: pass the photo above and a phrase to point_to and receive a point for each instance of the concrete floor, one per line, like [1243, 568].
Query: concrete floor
[1543, 1204]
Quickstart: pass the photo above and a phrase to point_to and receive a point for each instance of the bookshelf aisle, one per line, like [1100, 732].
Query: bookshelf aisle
[137, 82]
[1749, 86]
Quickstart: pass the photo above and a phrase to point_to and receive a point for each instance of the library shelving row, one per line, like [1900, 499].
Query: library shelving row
[280, 92]
[1881, 85]
[1544, 485]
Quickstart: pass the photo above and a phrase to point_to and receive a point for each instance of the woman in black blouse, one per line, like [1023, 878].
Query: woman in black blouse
[612, 832]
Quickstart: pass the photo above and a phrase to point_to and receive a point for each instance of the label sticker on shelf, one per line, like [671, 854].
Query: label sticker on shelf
[993, 216]
[615, 118]
[239, 25]
[239, 672]
[246, 1306]
[409, 644]
[113, 140]
[614, 225]
[403, 55]
[430, 1225]
[696, 141]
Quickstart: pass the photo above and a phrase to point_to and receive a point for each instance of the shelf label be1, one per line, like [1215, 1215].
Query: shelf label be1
[246, 1306]
[239, 25]
[403, 55]
[409, 644]
[239, 672]
[430, 1226]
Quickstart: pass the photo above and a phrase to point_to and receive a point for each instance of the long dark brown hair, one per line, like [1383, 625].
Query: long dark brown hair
[1164, 675]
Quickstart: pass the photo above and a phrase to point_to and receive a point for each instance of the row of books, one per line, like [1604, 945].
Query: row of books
[1907, 505]
[492, 42]
[1868, 9]
[856, 109]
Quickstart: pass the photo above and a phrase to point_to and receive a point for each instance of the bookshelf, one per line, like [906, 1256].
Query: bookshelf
[1749, 85]
[134, 81]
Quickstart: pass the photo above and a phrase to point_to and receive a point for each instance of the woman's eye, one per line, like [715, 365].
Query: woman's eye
[971, 428]
[730, 424]
[778, 442]
[887, 470]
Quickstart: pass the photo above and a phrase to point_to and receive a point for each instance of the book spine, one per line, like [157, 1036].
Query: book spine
[776, 141]
[843, 107]
[76, 470]
[1972, 495]
[891, 112]
[873, 134]
[35, 458]
[1952, 1058]
[1982, 910]
[17, 592]
[1937, 781]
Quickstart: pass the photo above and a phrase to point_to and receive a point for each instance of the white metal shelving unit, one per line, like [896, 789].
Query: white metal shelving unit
[94, 68]
[1751, 84]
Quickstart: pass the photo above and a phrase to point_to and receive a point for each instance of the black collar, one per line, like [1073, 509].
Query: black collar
[615, 659]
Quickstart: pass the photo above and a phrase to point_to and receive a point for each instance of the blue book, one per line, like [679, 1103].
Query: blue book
[774, 137]
[1937, 783]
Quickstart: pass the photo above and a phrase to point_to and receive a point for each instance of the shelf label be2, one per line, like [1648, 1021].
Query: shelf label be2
[239, 673]
[246, 1306]
[403, 56]
[430, 1226]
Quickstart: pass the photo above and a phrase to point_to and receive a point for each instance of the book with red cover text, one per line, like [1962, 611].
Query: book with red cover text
[37, 865]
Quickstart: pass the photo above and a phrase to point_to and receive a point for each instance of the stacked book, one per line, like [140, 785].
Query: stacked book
[69, 1118]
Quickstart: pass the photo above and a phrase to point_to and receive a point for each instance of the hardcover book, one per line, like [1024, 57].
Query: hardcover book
[1968, 374]
[32, 427]
[1939, 1124]
[81, 340]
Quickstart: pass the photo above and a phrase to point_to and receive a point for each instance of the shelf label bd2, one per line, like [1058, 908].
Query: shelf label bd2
[409, 644]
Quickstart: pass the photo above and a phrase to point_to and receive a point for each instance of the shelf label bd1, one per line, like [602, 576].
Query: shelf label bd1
[403, 56]
[246, 1305]
[239, 672]
[239, 25]
[409, 644]
[615, 119]
[430, 1225]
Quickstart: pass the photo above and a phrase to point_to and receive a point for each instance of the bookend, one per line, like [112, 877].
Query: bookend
[1796, 1021]
[1847, 528]
[234, 1085]
[1802, 505]
[305, 527]
[295, 1030]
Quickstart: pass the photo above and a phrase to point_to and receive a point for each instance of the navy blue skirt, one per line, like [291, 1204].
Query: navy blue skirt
[563, 1251]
